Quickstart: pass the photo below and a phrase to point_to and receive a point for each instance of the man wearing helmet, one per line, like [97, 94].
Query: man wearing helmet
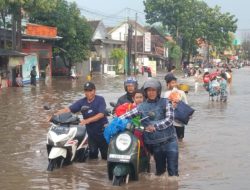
[159, 134]
[130, 85]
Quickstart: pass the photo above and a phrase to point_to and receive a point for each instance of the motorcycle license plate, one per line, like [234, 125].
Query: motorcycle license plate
[118, 156]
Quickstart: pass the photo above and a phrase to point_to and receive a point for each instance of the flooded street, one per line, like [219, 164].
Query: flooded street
[214, 155]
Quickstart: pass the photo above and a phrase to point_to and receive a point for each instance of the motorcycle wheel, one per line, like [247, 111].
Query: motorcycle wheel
[117, 180]
[52, 165]
[81, 155]
[55, 163]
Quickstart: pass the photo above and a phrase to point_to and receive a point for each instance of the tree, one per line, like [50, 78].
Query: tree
[174, 52]
[246, 46]
[16, 8]
[4, 10]
[118, 54]
[188, 20]
[76, 32]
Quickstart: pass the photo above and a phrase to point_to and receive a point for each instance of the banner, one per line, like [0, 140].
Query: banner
[29, 62]
[147, 42]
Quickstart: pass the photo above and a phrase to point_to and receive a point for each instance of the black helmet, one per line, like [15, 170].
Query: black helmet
[130, 80]
[89, 86]
[152, 83]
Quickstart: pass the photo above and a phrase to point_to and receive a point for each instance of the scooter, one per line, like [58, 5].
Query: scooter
[127, 157]
[66, 141]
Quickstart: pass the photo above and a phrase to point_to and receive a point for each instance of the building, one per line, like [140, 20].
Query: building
[37, 42]
[10, 64]
[147, 45]
[101, 47]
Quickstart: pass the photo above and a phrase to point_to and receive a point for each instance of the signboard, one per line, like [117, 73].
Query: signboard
[41, 30]
[29, 62]
[147, 42]
[236, 42]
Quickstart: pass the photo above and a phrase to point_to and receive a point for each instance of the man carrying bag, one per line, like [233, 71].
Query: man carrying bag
[182, 111]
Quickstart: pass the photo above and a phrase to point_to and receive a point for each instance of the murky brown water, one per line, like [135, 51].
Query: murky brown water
[214, 155]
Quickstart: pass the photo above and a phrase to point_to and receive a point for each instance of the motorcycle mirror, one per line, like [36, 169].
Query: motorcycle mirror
[108, 112]
[112, 104]
[151, 114]
[84, 108]
[46, 106]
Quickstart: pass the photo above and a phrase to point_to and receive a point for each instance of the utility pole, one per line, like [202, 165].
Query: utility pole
[129, 48]
[19, 29]
[13, 32]
[135, 62]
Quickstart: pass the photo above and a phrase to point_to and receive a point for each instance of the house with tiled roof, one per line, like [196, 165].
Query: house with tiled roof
[147, 44]
[102, 46]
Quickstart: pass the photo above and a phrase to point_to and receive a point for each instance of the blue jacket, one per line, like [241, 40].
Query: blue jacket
[162, 120]
[159, 109]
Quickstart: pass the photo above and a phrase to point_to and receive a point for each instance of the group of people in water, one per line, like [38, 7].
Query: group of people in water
[161, 133]
[216, 83]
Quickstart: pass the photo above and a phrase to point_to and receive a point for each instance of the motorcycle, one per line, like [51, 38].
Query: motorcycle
[67, 141]
[127, 155]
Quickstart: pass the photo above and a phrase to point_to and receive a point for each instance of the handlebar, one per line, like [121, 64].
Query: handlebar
[65, 118]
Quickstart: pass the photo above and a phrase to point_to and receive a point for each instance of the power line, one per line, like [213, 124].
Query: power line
[134, 10]
[115, 17]
[100, 14]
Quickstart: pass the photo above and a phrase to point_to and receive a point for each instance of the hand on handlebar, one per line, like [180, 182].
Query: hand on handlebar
[49, 118]
[83, 122]
[150, 129]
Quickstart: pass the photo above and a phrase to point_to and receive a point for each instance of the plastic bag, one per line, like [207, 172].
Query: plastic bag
[116, 126]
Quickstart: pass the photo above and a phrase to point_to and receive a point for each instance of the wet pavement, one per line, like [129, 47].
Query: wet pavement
[214, 155]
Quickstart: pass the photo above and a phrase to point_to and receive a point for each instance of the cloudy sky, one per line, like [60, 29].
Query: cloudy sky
[113, 11]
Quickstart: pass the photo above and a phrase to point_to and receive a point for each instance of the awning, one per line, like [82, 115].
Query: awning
[26, 37]
[11, 53]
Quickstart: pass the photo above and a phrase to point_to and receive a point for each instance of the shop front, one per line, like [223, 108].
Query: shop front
[38, 39]
[10, 66]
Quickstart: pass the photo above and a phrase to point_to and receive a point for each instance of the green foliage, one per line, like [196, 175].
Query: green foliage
[27, 5]
[174, 51]
[117, 54]
[188, 20]
[76, 32]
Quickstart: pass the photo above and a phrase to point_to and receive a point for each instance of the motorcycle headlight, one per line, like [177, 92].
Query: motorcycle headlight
[123, 141]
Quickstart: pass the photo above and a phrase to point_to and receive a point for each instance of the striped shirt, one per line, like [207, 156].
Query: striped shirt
[161, 124]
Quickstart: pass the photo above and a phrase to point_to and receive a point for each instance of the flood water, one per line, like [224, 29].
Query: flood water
[214, 155]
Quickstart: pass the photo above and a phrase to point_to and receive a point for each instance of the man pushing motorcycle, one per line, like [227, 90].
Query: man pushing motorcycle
[160, 135]
[94, 119]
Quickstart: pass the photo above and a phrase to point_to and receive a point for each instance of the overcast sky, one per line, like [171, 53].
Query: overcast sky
[113, 11]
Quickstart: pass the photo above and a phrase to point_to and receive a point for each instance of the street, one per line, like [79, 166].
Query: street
[214, 154]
